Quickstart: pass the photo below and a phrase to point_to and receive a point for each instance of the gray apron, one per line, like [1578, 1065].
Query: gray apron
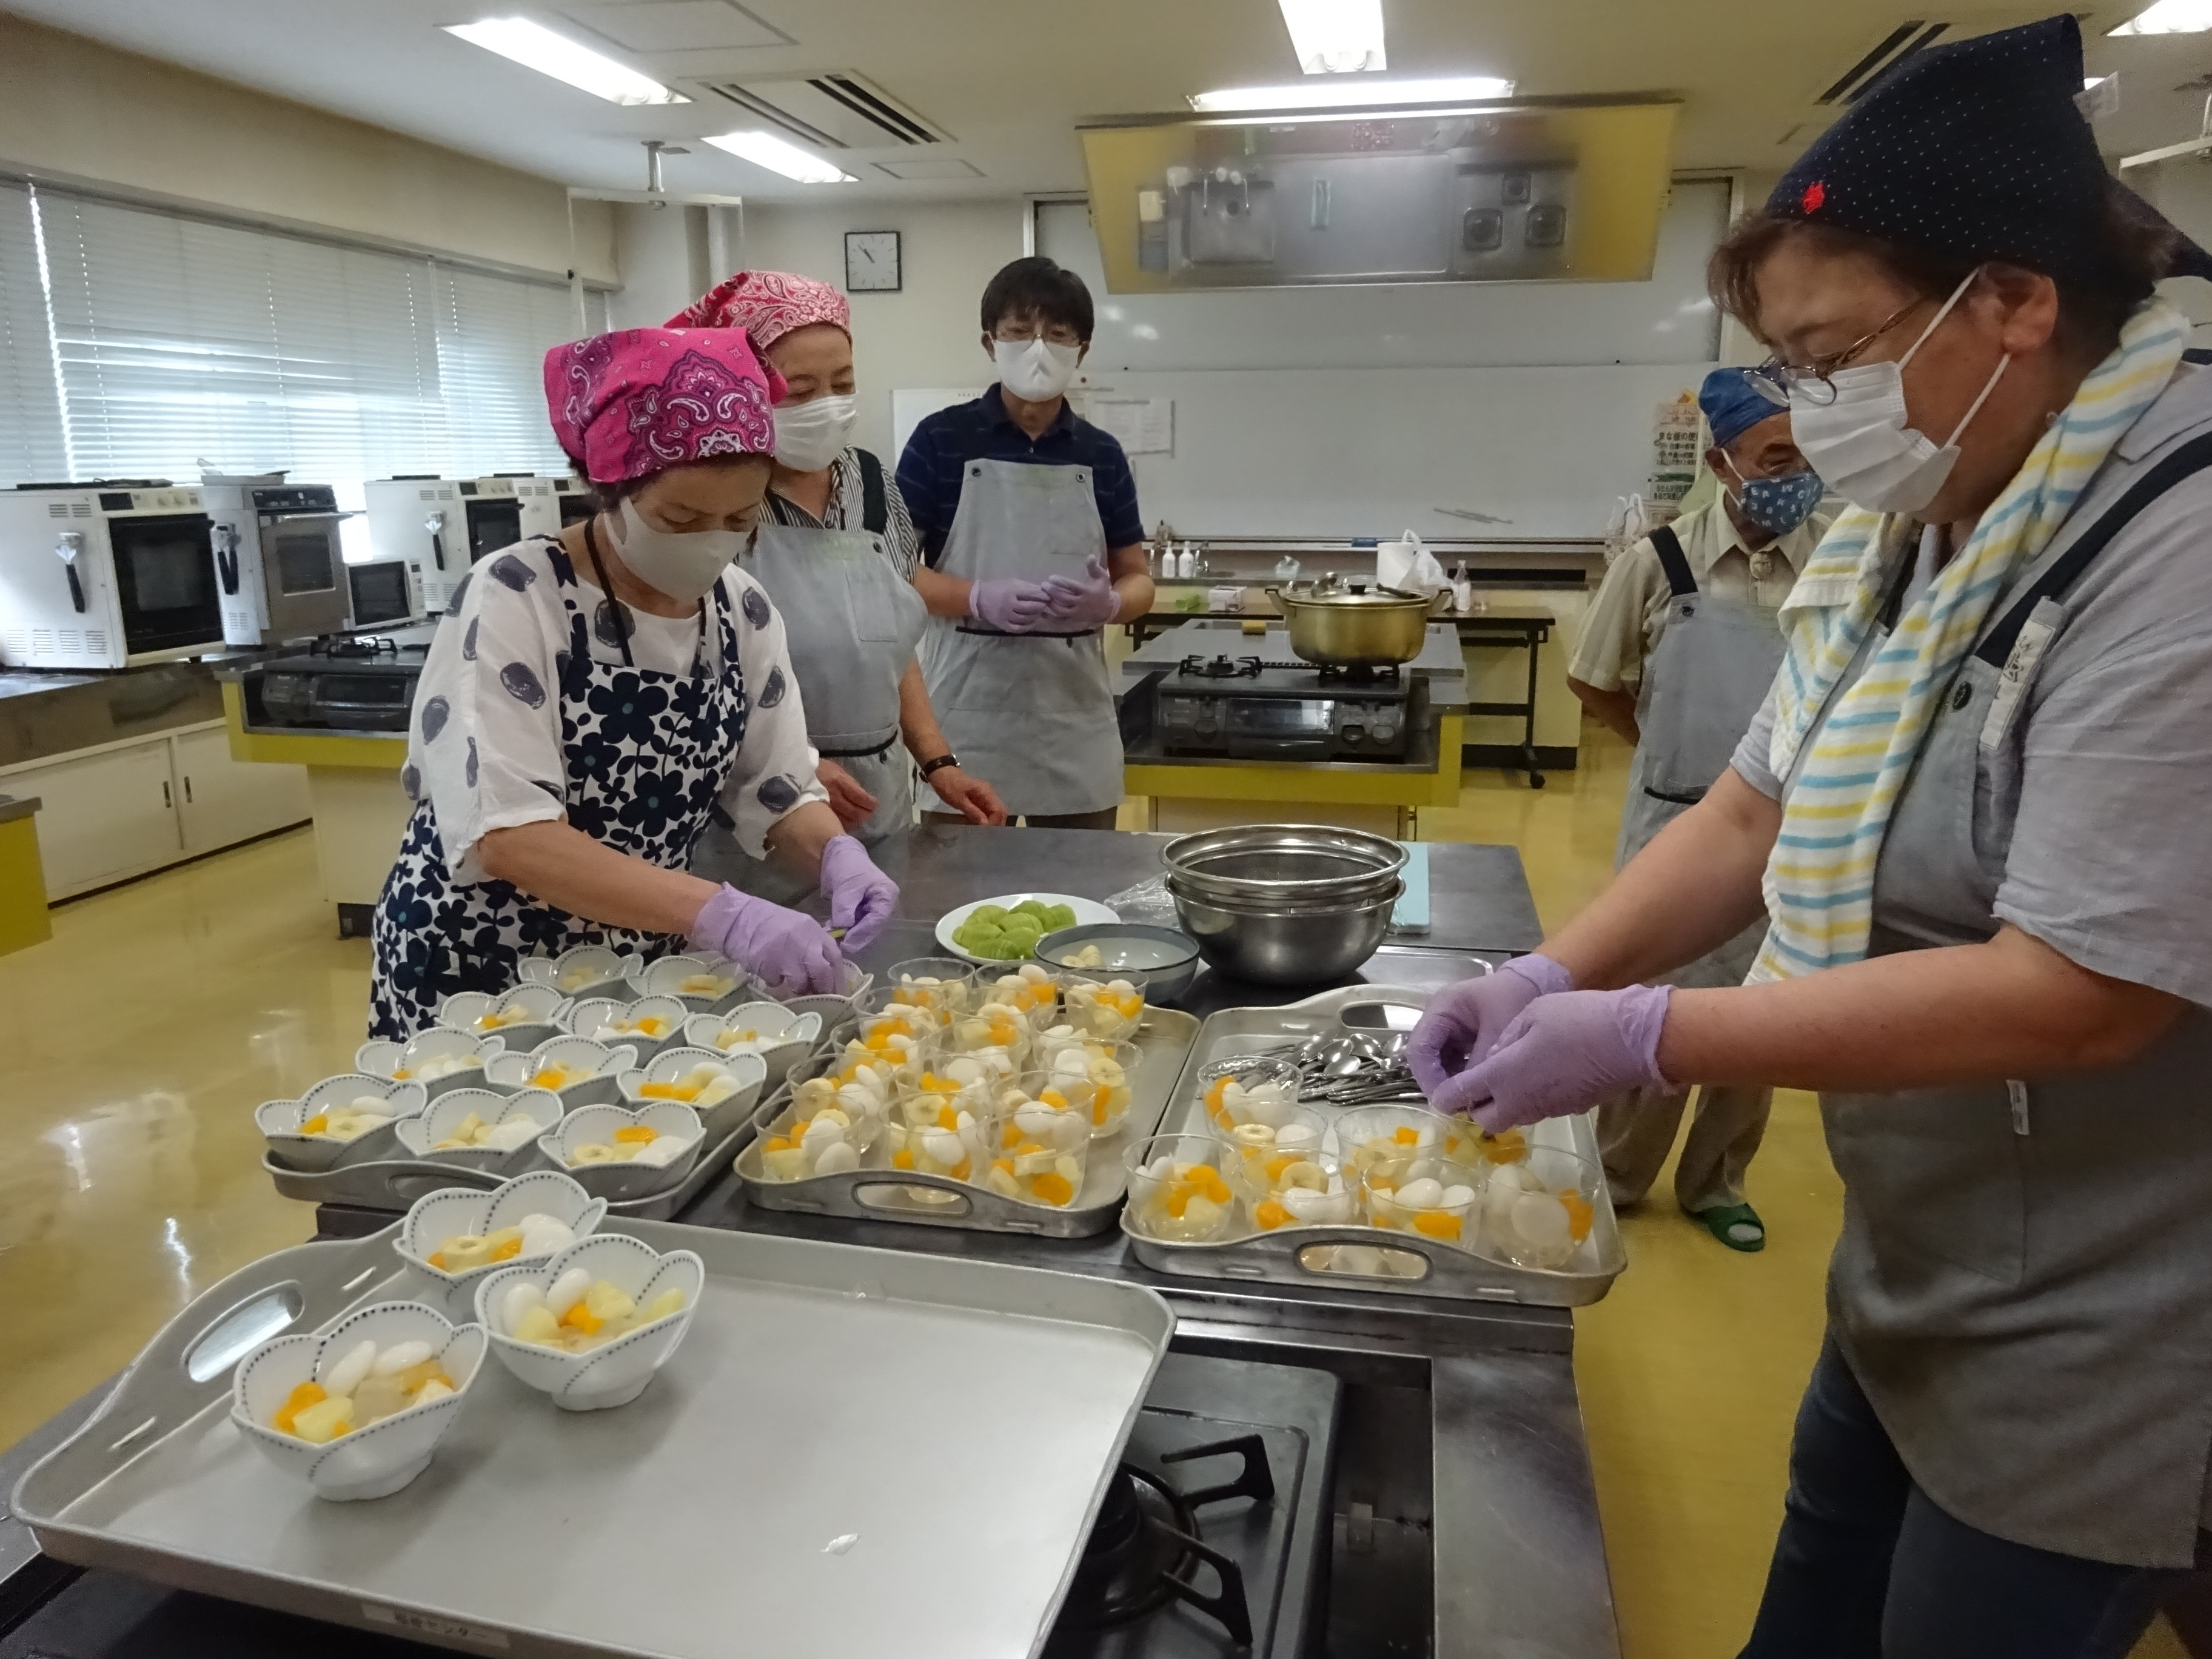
[1703, 686]
[2023, 1284]
[1032, 714]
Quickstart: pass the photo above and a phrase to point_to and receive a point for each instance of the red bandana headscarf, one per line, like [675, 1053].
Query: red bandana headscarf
[628, 405]
[768, 305]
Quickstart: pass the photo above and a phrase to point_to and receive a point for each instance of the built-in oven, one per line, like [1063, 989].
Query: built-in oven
[279, 559]
[505, 506]
[105, 575]
[575, 498]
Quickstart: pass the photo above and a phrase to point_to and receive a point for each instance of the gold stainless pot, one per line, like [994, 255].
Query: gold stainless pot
[1338, 627]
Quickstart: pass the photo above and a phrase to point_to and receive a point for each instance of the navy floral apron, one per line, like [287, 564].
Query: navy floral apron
[644, 754]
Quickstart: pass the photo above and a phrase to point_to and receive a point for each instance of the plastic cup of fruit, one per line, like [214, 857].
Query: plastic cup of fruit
[945, 984]
[1095, 1075]
[1432, 1207]
[1177, 1191]
[951, 1144]
[1479, 1152]
[1294, 1189]
[1037, 1141]
[820, 1135]
[994, 1025]
[862, 1092]
[1030, 991]
[1537, 1212]
[1264, 1091]
[1299, 1131]
[1401, 1144]
[1111, 1009]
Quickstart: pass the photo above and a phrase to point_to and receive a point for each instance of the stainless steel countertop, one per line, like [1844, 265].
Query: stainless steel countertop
[46, 715]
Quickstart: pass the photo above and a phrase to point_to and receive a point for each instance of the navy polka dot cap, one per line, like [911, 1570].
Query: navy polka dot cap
[1977, 150]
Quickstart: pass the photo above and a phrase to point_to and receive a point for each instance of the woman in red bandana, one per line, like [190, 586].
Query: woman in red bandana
[836, 551]
[592, 699]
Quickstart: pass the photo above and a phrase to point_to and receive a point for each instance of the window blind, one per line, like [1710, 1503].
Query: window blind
[30, 407]
[177, 340]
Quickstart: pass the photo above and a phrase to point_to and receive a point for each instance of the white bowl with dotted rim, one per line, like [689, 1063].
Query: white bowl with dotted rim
[606, 1019]
[617, 1182]
[378, 1460]
[279, 1120]
[521, 1017]
[452, 1212]
[667, 977]
[540, 1107]
[782, 1036]
[617, 1373]
[430, 1051]
[743, 1076]
[603, 1065]
[587, 970]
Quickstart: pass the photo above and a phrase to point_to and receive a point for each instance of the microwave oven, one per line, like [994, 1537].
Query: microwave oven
[441, 527]
[382, 593]
[106, 575]
[506, 507]
[279, 565]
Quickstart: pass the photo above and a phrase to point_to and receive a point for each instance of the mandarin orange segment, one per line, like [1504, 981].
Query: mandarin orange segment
[903, 1159]
[1579, 1215]
[636, 1135]
[1406, 1135]
[657, 1090]
[1270, 1215]
[1436, 1223]
[315, 1125]
[962, 1171]
[306, 1394]
[508, 1251]
[777, 1144]
[582, 1318]
[1054, 1187]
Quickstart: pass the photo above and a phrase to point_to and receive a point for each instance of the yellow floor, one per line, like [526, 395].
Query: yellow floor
[130, 1180]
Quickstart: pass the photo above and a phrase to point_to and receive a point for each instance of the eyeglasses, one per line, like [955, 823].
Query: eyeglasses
[1777, 381]
[1057, 334]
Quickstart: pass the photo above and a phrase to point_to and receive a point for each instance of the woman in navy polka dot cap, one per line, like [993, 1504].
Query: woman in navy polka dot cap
[592, 698]
[1971, 814]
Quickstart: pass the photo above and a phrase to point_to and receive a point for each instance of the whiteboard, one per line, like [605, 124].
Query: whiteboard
[911, 405]
[1667, 320]
[1370, 452]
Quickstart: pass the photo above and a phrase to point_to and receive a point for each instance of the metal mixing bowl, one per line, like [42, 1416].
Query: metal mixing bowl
[1283, 866]
[1306, 945]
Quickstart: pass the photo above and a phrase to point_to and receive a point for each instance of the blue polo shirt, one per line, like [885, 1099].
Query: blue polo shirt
[937, 456]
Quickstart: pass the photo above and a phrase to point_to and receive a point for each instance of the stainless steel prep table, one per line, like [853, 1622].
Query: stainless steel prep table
[1462, 1490]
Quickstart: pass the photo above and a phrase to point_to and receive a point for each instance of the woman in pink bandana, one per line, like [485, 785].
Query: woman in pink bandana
[837, 553]
[591, 700]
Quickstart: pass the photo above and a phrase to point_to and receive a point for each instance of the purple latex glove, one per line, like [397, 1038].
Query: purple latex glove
[1089, 600]
[861, 897]
[1564, 1053]
[1008, 604]
[1463, 1022]
[791, 954]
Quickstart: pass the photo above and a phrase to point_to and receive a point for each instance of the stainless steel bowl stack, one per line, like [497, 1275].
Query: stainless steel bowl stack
[1285, 903]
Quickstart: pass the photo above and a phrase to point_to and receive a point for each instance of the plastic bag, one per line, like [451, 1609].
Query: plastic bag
[1148, 904]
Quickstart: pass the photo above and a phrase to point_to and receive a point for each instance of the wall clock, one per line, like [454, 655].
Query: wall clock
[871, 262]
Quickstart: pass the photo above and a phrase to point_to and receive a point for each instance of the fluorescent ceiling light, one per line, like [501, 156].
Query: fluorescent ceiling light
[765, 150]
[535, 47]
[1334, 94]
[2170, 17]
[1335, 37]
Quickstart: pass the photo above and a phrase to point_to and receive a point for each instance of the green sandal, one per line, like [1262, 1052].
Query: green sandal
[1736, 1226]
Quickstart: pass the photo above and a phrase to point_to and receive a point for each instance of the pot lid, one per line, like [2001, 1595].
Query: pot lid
[1373, 598]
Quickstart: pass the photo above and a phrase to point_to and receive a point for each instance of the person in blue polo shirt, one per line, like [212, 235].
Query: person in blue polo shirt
[1032, 544]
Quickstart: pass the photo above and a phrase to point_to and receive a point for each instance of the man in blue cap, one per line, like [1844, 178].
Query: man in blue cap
[1676, 654]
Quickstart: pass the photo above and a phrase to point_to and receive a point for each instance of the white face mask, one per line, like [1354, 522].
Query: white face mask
[1859, 443]
[812, 434]
[1035, 369]
[684, 566]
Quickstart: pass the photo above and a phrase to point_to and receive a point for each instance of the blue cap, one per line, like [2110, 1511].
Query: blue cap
[1732, 404]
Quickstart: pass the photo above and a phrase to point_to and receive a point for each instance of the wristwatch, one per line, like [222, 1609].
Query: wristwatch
[939, 763]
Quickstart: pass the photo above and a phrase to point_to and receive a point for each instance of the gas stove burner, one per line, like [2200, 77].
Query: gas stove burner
[1222, 667]
[1143, 1552]
[1365, 673]
[371, 645]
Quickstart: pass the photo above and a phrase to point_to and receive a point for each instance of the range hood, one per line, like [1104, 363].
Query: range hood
[1533, 189]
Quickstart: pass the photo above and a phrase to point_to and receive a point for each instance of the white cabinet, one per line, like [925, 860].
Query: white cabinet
[104, 816]
[222, 801]
[114, 813]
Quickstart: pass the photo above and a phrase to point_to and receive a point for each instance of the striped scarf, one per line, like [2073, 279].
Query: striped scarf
[1819, 877]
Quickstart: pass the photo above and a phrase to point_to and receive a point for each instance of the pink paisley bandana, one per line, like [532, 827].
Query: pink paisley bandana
[628, 405]
[768, 305]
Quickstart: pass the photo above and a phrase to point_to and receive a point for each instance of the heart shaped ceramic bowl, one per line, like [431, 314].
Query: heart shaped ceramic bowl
[437, 1059]
[437, 1218]
[521, 1017]
[617, 1372]
[512, 1144]
[279, 1120]
[582, 1071]
[647, 1025]
[597, 1124]
[722, 1088]
[588, 970]
[780, 1035]
[379, 1458]
[705, 985]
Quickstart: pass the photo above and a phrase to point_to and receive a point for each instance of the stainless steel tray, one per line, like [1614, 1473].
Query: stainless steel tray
[396, 1183]
[1293, 1256]
[768, 1494]
[1165, 1036]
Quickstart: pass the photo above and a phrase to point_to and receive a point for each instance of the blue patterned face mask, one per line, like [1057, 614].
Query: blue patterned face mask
[1777, 506]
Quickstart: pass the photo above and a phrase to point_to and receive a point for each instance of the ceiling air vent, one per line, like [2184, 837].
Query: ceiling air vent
[1913, 35]
[839, 110]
